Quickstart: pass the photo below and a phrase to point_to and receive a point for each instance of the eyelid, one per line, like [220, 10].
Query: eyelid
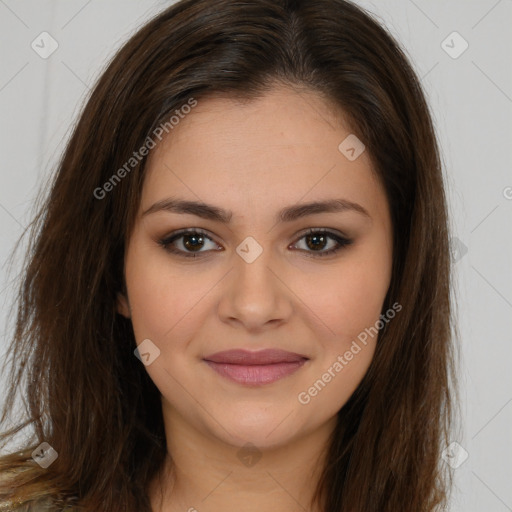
[299, 235]
[308, 231]
[338, 236]
[175, 235]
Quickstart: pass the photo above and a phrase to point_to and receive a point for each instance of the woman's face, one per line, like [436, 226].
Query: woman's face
[256, 279]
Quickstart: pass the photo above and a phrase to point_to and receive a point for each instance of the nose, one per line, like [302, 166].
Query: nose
[255, 293]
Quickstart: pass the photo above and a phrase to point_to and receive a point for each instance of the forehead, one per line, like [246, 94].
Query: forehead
[276, 149]
[281, 117]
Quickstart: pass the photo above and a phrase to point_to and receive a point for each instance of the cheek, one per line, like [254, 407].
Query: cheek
[169, 301]
[328, 391]
[349, 302]
[163, 304]
[350, 306]
[347, 299]
[158, 296]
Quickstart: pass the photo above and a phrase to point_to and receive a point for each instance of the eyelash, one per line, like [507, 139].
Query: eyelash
[166, 242]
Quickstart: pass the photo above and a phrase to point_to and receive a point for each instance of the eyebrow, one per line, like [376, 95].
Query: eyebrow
[287, 214]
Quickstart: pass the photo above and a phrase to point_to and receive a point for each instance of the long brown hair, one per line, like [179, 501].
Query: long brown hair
[72, 353]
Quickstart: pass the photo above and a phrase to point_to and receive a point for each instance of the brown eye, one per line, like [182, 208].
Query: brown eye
[317, 240]
[191, 242]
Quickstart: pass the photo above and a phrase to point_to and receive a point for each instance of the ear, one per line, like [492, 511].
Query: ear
[123, 306]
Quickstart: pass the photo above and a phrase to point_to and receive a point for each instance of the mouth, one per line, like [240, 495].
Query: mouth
[255, 368]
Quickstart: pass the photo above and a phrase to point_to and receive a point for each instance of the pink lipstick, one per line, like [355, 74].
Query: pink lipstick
[255, 368]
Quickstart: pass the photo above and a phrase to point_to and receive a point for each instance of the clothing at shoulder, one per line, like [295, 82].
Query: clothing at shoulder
[43, 505]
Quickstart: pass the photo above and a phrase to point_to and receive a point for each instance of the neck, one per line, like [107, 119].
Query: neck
[208, 475]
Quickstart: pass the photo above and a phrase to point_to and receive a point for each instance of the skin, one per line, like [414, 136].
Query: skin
[254, 158]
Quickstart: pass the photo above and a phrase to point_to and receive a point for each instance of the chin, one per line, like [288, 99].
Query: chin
[258, 428]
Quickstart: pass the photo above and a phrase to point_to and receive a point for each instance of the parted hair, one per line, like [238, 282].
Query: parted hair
[71, 353]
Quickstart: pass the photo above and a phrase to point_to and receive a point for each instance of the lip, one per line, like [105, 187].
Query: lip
[255, 368]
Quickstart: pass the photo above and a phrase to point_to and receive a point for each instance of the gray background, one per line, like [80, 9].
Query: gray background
[471, 100]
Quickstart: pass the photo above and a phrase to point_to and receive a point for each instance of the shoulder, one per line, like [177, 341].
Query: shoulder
[42, 505]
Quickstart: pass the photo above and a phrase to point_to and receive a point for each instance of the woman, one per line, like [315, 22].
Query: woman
[238, 290]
